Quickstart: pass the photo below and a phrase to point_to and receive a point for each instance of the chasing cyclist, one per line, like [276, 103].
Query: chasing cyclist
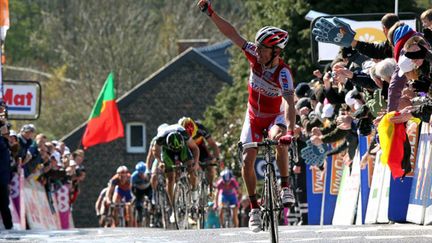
[119, 190]
[209, 151]
[172, 144]
[140, 181]
[226, 195]
[270, 103]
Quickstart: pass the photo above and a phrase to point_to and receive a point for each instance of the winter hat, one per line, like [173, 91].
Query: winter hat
[302, 90]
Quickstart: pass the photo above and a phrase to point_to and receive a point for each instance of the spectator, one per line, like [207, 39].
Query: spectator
[5, 176]
[25, 138]
[380, 50]
[426, 19]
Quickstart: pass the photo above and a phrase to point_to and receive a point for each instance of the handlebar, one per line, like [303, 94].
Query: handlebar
[242, 146]
[205, 164]
[258, 144]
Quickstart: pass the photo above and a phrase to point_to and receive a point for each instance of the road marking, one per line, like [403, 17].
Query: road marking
[382, 237]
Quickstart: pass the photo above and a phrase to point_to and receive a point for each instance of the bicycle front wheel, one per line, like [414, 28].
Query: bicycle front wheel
[164, 207]
[181, 207]
[272, 205]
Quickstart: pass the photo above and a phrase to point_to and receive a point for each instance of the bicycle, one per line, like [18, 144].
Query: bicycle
[162, 206]
[205, 193]
[142, 217]
[182, 197]
[228, 216]
[121, 213]
[271, 204]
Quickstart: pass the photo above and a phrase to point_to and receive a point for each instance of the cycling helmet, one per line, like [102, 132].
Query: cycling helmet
[141, 167]
[175, 141]
[162, 126]
[121, 169]
[189, 125]
[271, 36]
[226, 175]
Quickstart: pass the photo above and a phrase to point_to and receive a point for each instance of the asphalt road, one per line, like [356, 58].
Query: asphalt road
[349, 234]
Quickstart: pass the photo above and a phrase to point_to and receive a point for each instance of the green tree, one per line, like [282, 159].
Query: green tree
[84, 40]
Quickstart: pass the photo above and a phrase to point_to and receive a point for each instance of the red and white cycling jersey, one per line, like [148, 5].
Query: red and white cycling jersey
[266, 86]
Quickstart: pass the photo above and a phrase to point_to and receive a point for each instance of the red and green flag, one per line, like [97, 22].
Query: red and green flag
[104, 124]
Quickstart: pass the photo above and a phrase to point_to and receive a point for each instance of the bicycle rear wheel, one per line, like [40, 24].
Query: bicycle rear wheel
[272, 205]
[203, 200]
[181, 205]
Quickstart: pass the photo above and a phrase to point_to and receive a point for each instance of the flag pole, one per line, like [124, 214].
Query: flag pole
[397, 7]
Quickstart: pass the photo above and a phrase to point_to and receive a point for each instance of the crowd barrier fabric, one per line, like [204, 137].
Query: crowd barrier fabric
[334, 173]
[314, 188]
[420, 196]
[346, 203]
[365, 177]
[15, 191]
[38, 211]
[376, 191]
[62, 196]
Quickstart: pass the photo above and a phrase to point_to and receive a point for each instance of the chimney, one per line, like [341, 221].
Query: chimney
[183, 45]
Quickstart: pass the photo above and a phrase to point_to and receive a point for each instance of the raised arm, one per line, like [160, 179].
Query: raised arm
[224, 26]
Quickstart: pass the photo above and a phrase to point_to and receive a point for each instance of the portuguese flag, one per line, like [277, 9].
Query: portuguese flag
[104, 124]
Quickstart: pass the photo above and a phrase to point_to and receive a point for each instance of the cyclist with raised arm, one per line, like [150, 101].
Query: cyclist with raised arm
[226, 195]
[140, 181]
[270, 103]
[203, 139]
[172, 144]
[119, 190]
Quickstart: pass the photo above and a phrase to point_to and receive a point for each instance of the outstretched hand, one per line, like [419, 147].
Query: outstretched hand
[206, 7]
[334, 31]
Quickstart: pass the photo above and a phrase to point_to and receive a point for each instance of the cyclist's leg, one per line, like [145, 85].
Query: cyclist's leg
[187, 158]
[116, 199]
[103, 213]
[168, 159]
[138, 204]
[154, 175]
[276, 131]
[170, 186]
[236, 217]
[250, 133]
[210, 171]
[221, 204]
[231, 200]
[130, 222]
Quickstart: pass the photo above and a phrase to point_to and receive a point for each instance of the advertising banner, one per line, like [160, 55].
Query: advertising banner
[23, 99]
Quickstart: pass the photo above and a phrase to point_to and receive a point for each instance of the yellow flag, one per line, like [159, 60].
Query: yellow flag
[385, 134]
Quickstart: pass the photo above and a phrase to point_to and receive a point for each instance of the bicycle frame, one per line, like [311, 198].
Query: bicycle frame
[270, 202]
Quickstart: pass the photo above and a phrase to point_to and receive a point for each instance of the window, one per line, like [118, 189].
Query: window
[136, 137]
